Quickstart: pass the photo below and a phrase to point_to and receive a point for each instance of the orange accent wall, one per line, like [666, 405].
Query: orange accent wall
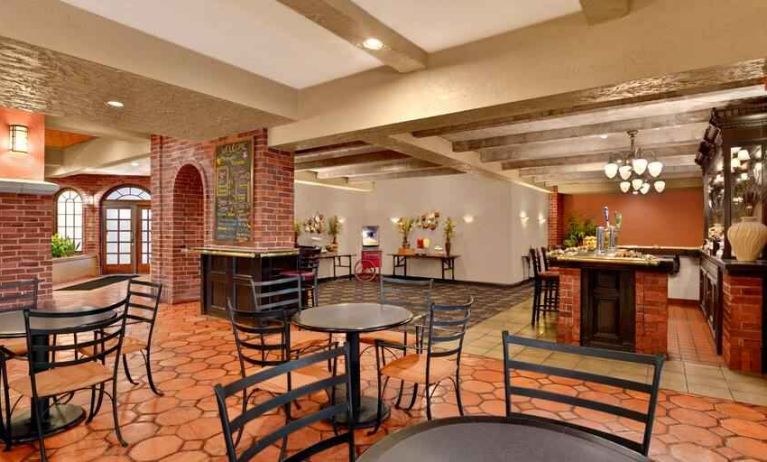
[674, 218]
[21, 166]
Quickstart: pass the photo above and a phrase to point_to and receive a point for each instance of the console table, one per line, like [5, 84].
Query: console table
[338, 261]
[447, 263]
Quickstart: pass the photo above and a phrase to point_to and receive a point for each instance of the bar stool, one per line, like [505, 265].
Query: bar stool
[545, 286]
[307, 270]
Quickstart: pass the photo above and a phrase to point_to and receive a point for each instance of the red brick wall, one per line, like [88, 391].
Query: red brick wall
[93, 188]
[188, 230]
[569, 316]
[25, 239]
[272, 201]
[555, 219]
[742, 323]
[651, 306]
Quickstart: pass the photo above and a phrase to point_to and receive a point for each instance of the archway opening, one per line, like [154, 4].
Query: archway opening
[188, 231]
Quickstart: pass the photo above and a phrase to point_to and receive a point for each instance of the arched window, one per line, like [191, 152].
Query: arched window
[129, 193]
[69, 216]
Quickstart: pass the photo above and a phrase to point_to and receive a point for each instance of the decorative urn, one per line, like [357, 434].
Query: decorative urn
[747, 238]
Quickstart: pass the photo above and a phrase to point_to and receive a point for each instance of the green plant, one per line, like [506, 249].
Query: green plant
[334, 227]
[298, 228]
[405, 226]
[449, 229]
[577, 229]
[62, 246]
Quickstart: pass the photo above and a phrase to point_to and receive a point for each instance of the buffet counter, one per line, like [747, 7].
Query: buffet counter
[614, 301]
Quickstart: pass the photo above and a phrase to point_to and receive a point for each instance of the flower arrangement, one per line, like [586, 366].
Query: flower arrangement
[405, 226]
[449, 231]
[428, 221]
[334, 228]
[315, 224]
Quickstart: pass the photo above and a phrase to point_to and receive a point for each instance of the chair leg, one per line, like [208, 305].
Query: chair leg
[100, 400]
[39, 425]
[115, 417]
[428, 401]
[536, 296]
[148, 364]
[379, 409]
[459, 402]
[6, 426]
[92, 407]
[412, 399]
[127, 371]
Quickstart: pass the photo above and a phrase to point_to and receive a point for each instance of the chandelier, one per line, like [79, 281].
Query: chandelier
[636, 173]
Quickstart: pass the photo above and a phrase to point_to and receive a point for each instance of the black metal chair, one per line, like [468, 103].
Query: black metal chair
[286, 294]
[67, 372]
[445, 331]
[545, 287]
[308, 271]
[650, 389]
[143, 304]
[412, 294]
[19, 295]
[285, 372]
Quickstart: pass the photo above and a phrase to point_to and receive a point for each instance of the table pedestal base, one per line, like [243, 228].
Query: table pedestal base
[61, 417]
[367, 413]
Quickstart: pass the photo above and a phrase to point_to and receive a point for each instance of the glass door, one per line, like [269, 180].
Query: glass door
[119, 239]
[144, 249]
[127, 232]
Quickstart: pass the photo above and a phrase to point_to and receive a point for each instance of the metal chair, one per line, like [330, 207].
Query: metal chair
[51, 376]
[414, 295]
[285, 372]
[446, 329]
[651, 390]
[19, 295]
[545, 288]
[308, 271]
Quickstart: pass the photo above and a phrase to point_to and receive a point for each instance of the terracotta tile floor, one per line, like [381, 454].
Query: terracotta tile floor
[194, 352]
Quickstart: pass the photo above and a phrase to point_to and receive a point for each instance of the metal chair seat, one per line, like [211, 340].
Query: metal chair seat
[63, 379]
[412, 368]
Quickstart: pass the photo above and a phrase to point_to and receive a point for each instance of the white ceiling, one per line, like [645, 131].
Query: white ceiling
[438, 24]
[260, 36]
[137, 167]
[273, 41]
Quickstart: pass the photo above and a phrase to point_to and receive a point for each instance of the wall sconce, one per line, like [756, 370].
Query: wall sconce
[19, 138]
[468, 218]
[541, 219]
[523, 217]
[394, 220]
[341, 220]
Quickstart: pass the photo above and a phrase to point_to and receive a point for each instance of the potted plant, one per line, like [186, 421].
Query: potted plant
[748, 236]
[334, 229]
[577, 230]
[405, 226]
[62, 247]
[297, 230]
[449, 234]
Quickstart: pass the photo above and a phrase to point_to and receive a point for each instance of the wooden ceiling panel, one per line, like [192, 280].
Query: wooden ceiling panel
[58, 139]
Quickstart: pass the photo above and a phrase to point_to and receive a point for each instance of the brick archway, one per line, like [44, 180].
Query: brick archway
[187, 224]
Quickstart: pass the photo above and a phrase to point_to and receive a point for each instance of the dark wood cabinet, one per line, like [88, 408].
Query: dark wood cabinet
[608, 309]
[711, 298]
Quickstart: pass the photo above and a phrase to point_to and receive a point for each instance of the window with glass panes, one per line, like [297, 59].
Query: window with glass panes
[69, 216]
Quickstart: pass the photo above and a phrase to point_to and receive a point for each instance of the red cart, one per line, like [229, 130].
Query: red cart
[368, 268]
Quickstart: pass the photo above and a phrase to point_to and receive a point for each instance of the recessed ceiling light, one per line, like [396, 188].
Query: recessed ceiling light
[372, 43]
[135, 164]
[604, 137]
[115, 103]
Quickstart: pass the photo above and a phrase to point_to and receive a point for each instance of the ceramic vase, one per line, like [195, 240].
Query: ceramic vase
[747, 238]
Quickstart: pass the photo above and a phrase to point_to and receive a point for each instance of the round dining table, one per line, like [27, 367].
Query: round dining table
[496, 439]
[57, 417]
[354, 319]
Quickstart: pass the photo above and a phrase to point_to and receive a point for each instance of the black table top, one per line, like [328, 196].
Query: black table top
[352, 317]
[495, 439]
[12, 322]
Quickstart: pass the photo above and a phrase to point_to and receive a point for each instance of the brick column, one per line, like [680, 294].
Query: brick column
[651, 307]
[555, 219]
[569, 316]
[742, 323]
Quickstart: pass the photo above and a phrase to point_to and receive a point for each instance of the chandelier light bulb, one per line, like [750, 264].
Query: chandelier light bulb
[659, 185]
[645, 188]
[625, 186]
[743, 155]
[655, 168]
[611, 169]
[637, 183]
[625, 171]
[639, 165]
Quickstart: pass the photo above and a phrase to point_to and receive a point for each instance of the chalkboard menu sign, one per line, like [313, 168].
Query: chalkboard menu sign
[233, 198]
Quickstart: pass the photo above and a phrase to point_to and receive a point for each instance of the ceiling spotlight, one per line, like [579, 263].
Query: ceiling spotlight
[655, 168]
[625, 186]
[134, 164]
[611, 169]
[372, 43]
[604, 137]
[116, 104]
[659, 185]
[625, 171]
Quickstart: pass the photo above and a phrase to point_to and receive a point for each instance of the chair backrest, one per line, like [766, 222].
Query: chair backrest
[252, 411]
[101, 328]
[309, 258]
[262, 337]
[651, 389]
[143, 304]
[446, 330]
[277, 294]
[414, 294]
[544, 259]
[536, 262]
[19, 295]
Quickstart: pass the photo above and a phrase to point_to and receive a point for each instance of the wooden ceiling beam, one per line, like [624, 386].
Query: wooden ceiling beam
[662, 150]
[334, 151]
[376, 169]
[597, 11]
[438, 171]
[686, 171]
[687, 159]
[356, 159]
[642, 123]
[353, 24]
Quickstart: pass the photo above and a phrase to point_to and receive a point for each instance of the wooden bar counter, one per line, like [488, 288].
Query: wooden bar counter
[613, 302]
[227, 271]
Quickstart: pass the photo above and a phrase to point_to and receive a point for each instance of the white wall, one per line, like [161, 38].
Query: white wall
[490, 248]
